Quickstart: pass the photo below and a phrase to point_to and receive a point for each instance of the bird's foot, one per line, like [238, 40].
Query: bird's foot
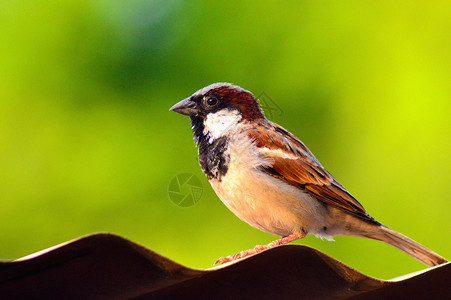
[255, 250]
[259, 248]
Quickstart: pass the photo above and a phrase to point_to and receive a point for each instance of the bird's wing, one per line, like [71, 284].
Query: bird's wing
[293, 163]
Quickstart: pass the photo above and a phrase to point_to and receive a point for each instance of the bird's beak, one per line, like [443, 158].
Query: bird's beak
[185, 107]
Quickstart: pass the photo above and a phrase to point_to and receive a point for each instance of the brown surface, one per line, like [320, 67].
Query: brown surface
[106, 266]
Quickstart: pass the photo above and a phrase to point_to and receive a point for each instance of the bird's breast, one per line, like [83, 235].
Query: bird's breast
[261, 200]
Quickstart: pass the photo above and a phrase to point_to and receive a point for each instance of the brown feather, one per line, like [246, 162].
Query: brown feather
[242, 99]
[303, 170]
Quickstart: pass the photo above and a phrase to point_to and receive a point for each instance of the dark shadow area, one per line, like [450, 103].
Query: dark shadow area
[106, 266]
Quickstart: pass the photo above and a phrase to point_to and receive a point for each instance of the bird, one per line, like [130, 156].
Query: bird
[268, 178]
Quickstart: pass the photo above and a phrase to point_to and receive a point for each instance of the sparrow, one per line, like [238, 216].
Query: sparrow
[268, 178]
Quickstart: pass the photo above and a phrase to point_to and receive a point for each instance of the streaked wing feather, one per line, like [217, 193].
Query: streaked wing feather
[299, 167]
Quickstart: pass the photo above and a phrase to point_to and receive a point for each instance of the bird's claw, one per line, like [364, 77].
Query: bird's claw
[222, 260]
[242, 254]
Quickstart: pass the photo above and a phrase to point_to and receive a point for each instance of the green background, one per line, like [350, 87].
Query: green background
[87, 143]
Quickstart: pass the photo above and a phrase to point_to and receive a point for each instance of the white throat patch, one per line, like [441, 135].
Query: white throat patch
[217, 124]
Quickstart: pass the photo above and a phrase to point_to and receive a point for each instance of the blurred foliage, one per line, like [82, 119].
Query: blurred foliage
[87, 143]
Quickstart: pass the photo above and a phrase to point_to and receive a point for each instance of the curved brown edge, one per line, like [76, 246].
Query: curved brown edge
[107, 266]
[97, 266]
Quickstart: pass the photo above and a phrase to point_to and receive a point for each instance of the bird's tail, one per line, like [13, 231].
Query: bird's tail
[408, 245]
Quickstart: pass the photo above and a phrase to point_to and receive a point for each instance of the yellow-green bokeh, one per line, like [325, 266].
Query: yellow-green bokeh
[87, 143]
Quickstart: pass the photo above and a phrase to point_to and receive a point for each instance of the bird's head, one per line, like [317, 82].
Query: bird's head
[217, 108]
[220, 98]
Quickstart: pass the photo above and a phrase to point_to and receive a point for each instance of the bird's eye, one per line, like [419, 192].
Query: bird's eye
[212, 101]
